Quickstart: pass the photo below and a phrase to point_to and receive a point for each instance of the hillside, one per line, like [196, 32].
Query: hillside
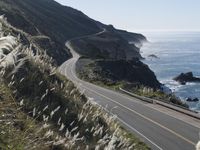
[41, 109]
[114, 73]
[49, 18]
[134, 38]
[106, 45]
[46, 17]
[50, 23]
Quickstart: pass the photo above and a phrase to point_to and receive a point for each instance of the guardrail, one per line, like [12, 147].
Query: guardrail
[172, 106]
[146, 99]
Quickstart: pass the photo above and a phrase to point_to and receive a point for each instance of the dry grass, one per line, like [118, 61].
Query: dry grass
[40, 109]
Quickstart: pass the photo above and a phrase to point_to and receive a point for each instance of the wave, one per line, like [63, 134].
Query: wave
[191, 83]
[178, 53]
[171, 84]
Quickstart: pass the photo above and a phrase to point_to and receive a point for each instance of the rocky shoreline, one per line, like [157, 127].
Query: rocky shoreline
[183, 78]
[192, 100]
[188, 77]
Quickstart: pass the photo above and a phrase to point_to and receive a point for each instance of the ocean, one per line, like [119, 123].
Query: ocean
[177, 52]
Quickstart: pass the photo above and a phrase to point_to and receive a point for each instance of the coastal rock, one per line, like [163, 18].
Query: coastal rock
[183, 78]
[196, 99]
[153, 56]
[192, 100]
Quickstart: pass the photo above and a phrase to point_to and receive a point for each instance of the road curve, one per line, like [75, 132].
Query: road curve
[160, 128]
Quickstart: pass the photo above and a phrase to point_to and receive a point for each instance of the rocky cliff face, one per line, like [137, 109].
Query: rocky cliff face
[133, 38]
[132, 72]
[107, 45]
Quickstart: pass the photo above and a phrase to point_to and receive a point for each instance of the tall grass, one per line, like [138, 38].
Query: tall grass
[67, 119]
[198, 146]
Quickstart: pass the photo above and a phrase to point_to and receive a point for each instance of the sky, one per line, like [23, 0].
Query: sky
[142, 15]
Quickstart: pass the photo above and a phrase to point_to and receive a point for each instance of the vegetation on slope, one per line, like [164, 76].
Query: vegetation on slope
[107, 45]
[40, 109]
[155, 94]
[48, 18]
[134, 76]
[52, 24]
[110, 72]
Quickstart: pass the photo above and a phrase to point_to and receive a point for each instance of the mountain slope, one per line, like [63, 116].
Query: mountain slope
[47, 17]
[105, 45]
[41, 109]
[134, 38]
[52, 24]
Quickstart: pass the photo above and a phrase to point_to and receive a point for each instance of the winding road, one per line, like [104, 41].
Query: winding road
[161, 128]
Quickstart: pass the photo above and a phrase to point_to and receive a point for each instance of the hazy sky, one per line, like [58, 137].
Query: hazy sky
[142, 14]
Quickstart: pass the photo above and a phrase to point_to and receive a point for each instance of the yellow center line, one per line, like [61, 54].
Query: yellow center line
[158, 124]
[150, 120]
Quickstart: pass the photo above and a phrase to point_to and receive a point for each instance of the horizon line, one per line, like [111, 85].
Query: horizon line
[163, 30]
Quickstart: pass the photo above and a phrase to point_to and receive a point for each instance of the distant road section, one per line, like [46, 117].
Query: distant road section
[161, 128]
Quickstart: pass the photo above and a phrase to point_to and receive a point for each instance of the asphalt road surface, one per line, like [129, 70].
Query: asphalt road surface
[159, 127]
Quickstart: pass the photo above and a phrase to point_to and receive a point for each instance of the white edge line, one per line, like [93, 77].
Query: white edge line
[132, 128]
[136, 100]
[135, 130]
[129, 126]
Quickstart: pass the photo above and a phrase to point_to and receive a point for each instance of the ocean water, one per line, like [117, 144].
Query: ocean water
[177, 52]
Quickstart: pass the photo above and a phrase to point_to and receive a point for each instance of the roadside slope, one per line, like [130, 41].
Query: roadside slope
[160, 129]
[41, 109]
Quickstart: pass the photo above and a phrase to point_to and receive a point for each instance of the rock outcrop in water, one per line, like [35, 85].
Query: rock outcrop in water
[153, 56]
[183, 78]
[192, 100]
